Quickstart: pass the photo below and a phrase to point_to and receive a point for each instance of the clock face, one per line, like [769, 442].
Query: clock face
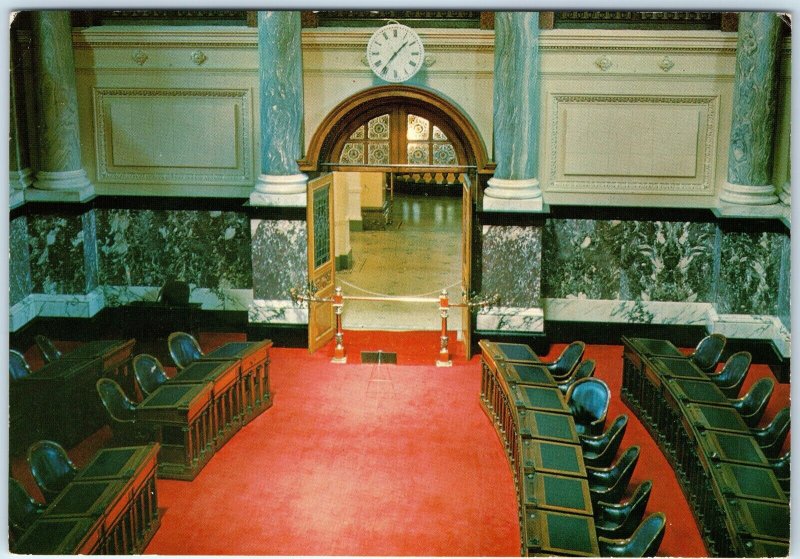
[395, 53]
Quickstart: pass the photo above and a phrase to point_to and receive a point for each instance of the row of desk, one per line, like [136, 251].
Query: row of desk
[537, 430]
[195, 413]
[725, 476]
[110, 508]
[59, 401]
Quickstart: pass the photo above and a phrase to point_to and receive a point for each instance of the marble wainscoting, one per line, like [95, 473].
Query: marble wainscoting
[280, 262]
[216, 299]
[62, 253]
[511, 268]
[750, 272]
[19, 265]
[627, 312]
[207, 249]
[629, 261]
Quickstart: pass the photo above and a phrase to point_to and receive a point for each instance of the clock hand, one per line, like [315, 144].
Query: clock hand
[394, 54]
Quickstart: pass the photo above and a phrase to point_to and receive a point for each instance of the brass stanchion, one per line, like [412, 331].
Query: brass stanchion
[339, 353]
[444, 355]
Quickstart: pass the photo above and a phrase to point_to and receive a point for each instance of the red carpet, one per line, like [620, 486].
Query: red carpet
[378, 460]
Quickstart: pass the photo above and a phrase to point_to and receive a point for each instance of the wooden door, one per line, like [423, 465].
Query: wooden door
[321, 260]
[466, 262]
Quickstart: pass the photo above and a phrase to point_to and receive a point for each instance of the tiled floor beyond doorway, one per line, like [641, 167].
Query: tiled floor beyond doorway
[419, 254]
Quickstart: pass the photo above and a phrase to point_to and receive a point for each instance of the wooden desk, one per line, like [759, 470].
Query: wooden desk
[59, 401]
[183, 415]
[537, 430]
[227, 394]
[733, 492]
[253, 360]
[111, 507]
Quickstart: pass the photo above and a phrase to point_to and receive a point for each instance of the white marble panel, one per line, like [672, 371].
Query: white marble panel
[21, 313]
[277, 312]
[210, 299]
[74, 306]
[642, 312]
[754, 327]
[511, 319]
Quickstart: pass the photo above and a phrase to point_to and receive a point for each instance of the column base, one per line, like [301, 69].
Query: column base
[21, 179]
[60, 186]
[15, 198]
[786, 193]
[751, 195]
[507, 195]
[280, 190]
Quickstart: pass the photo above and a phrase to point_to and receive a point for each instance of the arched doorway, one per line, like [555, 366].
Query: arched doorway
[400, 135]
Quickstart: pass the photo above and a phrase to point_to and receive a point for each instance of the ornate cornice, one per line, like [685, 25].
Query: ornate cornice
[566, 40]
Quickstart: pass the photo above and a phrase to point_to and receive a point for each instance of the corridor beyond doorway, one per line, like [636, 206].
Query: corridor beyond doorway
[418, 254]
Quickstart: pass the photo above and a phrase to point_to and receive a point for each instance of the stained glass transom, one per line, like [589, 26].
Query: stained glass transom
[418, 128]
[353, 154]
[358, 134]
[444, 154]
[418, 154]
[379, 153]
[378, 128]
[322, 249]
[438, 135]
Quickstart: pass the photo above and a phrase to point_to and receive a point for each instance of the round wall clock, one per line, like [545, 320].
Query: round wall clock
[395, 52]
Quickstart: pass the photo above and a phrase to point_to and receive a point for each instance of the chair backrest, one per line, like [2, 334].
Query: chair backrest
[621, 519]
[644, 542]
[184, 349]
[117, 404]
[174, 293]
[708, 351]
[51, 467]
[609, 484]
[17, 365]
[588, 399]
[600, 450]
[584, 370]
[771, 437]
[782, 465]
[47, 348]
[149, 373]
[568, 359]
[751, 406]
[22, 508]
[731, 378]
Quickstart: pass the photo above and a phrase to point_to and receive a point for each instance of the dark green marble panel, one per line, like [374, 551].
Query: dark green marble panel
[750, 269]
[56, 244]
[90, 263]
[581, 258]
[280, 258]
[19, 265]
[785, 283]
[667, 261]
[512, 258]
[210, 249]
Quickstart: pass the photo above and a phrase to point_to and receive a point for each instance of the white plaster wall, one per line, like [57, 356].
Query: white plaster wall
[674, 89]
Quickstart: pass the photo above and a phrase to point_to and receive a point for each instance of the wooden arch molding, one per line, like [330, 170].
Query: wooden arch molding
[385, 97]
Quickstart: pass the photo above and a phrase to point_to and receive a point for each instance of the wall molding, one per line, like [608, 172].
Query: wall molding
[702, 184]
[108, 172]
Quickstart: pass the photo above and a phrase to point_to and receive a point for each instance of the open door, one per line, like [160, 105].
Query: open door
[466, 262]
[321, 260]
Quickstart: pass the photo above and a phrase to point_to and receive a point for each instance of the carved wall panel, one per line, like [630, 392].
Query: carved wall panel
[632, 144]
[164, 136]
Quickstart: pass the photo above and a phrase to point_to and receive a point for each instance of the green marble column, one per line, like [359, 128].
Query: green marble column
[59, 134]
[20, 173]
[753, 122]
[281, 80]
[515, 185]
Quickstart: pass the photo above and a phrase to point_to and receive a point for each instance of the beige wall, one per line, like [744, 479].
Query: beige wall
[628, 117]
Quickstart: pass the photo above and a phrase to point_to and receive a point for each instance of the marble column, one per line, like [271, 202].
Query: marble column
[753, 122]
[61, 176]
[281, 81]
[515, 185]
[20, 173]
